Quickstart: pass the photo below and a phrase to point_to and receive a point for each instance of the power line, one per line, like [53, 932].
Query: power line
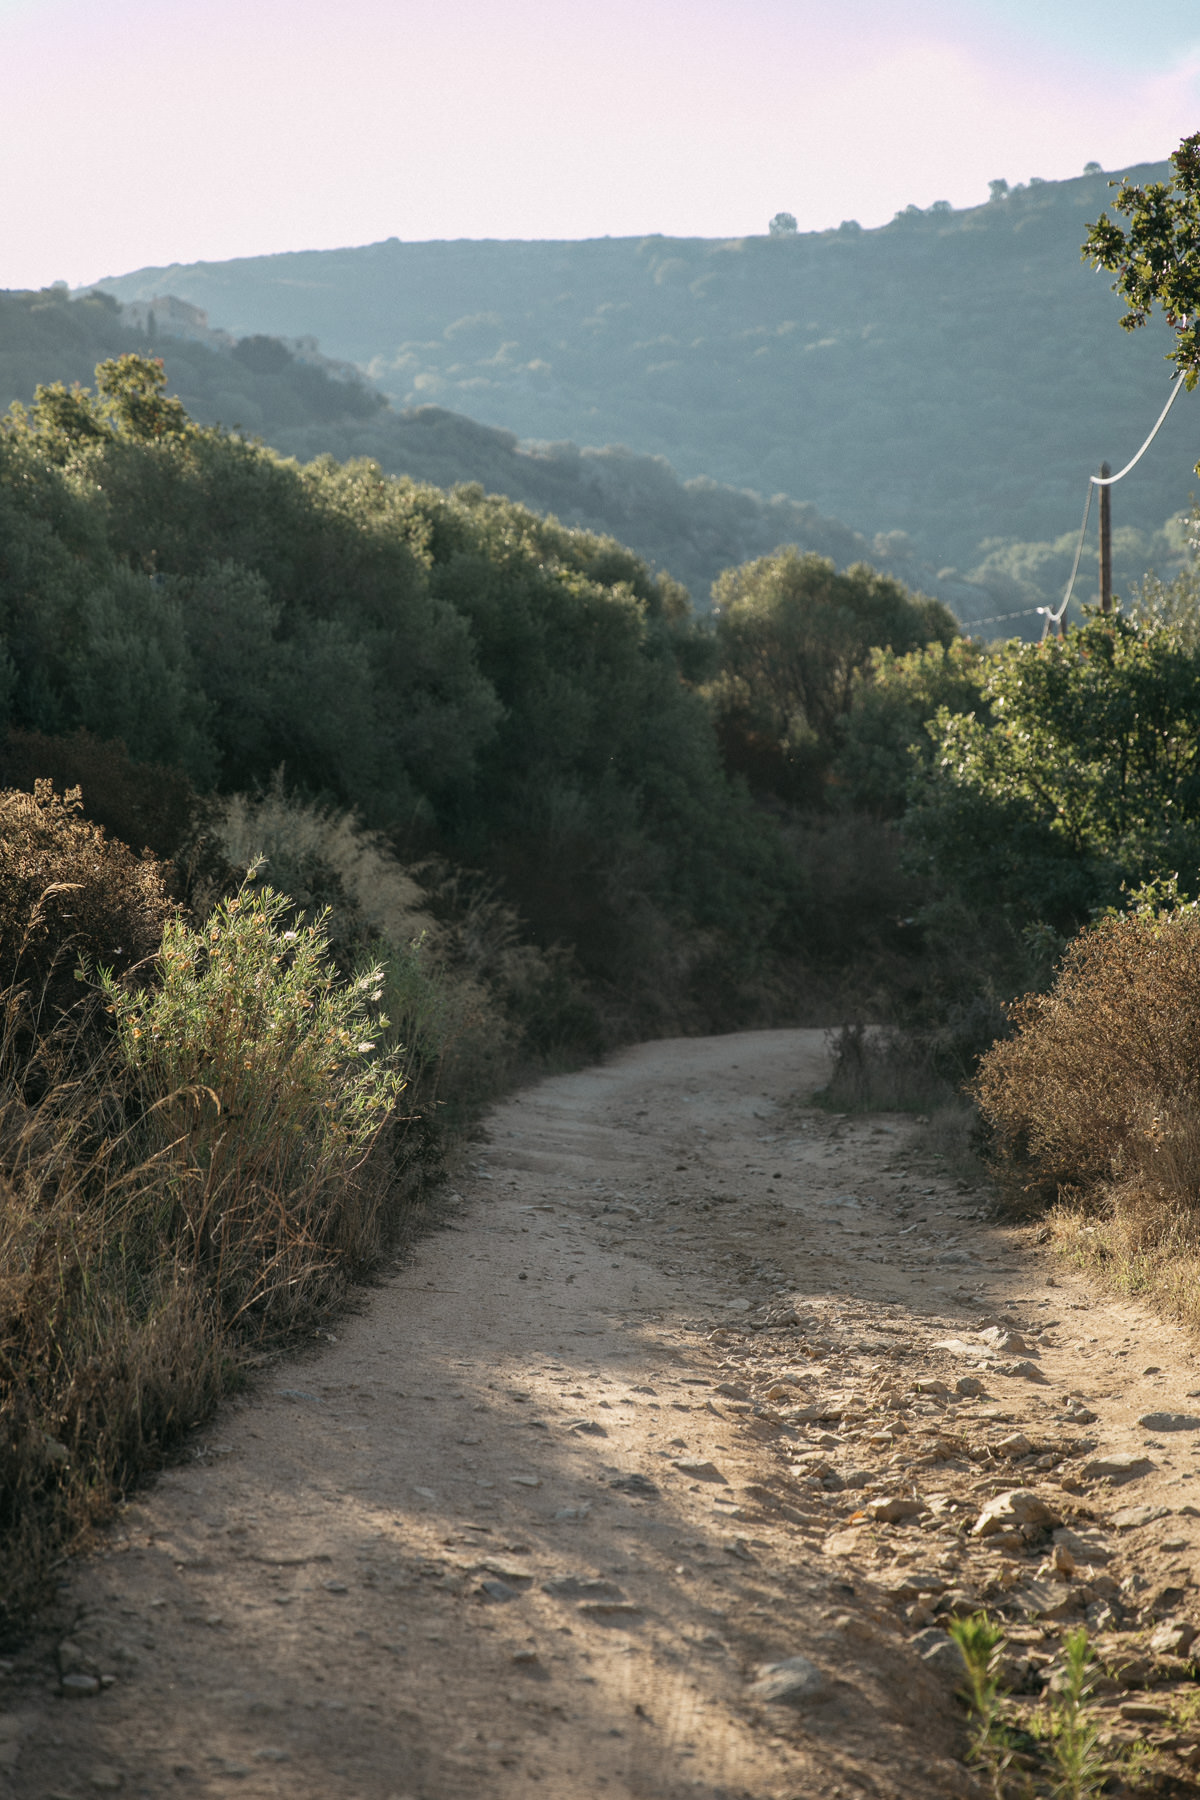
[1055, 616]
[1108, 480]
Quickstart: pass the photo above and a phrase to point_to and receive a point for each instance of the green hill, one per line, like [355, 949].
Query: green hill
[314, 406]
[953, 375]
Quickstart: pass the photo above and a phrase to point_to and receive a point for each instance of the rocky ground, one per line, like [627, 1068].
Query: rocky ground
[659, 1471]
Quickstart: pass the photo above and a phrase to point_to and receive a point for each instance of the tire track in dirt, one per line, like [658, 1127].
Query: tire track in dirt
[673, 1398]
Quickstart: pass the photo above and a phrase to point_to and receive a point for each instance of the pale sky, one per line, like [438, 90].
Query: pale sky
[144, 132]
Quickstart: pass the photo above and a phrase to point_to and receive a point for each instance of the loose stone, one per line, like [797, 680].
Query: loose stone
[789, 1683]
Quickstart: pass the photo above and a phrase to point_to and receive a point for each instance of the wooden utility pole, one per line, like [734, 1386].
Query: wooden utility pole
[1105, 545]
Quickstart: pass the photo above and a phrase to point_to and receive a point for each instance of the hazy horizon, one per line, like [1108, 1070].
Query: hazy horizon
[209, 133]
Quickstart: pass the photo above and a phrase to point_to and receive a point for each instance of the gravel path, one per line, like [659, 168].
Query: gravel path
[672, 1400]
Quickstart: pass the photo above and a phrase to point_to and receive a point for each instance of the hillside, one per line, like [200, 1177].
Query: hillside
[952, 375]
[303, 404]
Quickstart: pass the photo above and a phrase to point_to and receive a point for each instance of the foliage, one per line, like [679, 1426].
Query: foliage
[694, 527]
[1076, 778]
[1065, 1738]
[887, 732]
[1085, 1090]
[1081, 1769]
[981, 1642]
[794, 635]
[146, 805]
[67, 892]
[468, 677]
[1157, 261]
[251, 1052]
[1172, 606]
[190, 1164]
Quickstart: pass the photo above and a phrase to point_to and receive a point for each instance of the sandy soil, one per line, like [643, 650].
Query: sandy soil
[537, 1518]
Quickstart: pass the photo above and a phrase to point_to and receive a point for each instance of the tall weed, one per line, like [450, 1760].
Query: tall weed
[201, 1164]
[263, 1086]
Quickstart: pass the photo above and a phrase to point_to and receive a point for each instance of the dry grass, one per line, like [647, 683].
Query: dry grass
[199, 1155]
[189, 1168]
[1094, 1104]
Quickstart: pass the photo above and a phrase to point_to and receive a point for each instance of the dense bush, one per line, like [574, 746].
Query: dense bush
[194, 1160]
[1098, 1068]
[794, 638]
[68, 893]
[473, 680]
[1076, 777]
[1094, 1102]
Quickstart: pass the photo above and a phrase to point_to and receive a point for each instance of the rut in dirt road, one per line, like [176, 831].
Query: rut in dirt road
[656, 1473]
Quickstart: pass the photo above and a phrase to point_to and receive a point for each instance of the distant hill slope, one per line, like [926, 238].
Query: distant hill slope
[307, 409]
[953, 375]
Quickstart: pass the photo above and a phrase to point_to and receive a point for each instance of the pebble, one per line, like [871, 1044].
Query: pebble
[1000, 1339]
[1013, 1446]
[939, 1650]
[1085, 1547]
[335, 1587]
[530, 1481]
[1012, 1510]
[1167, 1421]
[1172, 1638]
[1130, 1517]
[893, 1508]
[633, 1484]
[603, 1609]
[582, 1587]
[968, 1386]
[1117, 1465]
[78, 1687]
[105, 1781]
[789, 1683]
[499, 1590]
[1144, 1712]
[1026, 1370]
[700, 1467]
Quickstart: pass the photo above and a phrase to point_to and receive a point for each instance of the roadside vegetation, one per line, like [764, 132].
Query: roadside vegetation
[331, 803]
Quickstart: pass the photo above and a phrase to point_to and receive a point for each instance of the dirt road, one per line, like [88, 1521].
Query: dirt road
[605, 1450]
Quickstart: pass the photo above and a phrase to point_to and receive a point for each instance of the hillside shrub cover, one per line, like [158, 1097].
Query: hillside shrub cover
[472, 680]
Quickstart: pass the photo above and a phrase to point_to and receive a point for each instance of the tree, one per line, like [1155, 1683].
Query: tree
[783, 225]
[1157, 261]
[1076, 776]
[794, 635]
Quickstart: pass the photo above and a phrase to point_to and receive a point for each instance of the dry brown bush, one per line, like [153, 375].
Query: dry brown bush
[1084, 1090]
[69, 893]
[1094, 1102]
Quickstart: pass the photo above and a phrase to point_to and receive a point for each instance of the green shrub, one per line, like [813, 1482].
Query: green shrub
[794, 636]
[264, 1085]
[1076, 777]
[202, 1176]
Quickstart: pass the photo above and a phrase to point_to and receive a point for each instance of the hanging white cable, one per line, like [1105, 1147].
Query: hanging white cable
[1107, 480]
[1055, 618]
